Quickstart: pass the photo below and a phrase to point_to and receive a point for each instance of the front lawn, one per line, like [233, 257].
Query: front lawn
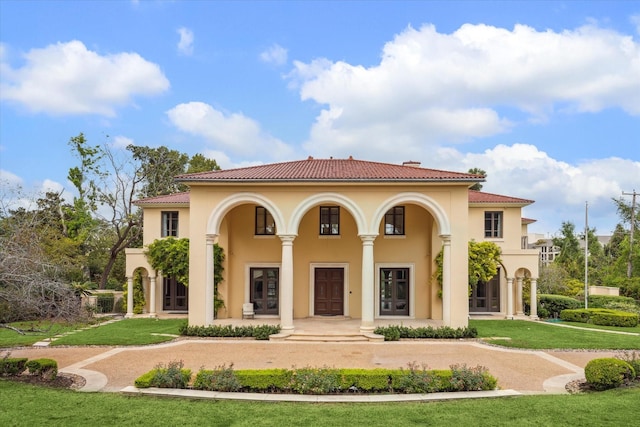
[125, 332]
[541, 335]
[27, 405]
[34, 331]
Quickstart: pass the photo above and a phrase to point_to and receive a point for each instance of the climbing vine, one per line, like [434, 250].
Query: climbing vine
[170, 257]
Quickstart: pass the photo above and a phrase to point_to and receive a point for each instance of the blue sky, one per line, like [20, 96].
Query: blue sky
[544, 96]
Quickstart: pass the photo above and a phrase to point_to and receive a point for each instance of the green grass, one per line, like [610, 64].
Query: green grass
[25, 405]
[635, 329]
[541, 335]
[42, 330]
[125, 332]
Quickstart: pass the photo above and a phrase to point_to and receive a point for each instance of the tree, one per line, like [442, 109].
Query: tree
[477, 171]
[570, 254]
[157, 167]
[200, 163]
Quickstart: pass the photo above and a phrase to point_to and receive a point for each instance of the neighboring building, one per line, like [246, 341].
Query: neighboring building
[336, 237]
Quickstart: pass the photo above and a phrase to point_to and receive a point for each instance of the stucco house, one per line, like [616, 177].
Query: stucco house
[336, 237]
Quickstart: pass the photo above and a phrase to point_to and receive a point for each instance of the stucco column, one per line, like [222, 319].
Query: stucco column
[129, 297]
[152, 296]
[209, 312]
[533, 314]
[509, 298]
[368, 285]
[286, 284]
[446, 279]
[519, 302]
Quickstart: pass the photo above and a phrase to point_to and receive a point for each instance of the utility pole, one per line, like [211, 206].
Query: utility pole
[586, 255]
[631, 230]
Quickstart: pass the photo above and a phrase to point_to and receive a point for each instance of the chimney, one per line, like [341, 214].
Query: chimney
[411, 163]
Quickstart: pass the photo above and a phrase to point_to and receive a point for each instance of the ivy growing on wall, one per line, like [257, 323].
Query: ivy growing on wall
[170, 257]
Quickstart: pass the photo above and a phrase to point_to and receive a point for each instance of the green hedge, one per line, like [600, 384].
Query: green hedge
[44, 368]
[552, 305]
[600, 316]
[259, 332]
[395, 332]
[325, 380]
[602, 301]
[10, 366]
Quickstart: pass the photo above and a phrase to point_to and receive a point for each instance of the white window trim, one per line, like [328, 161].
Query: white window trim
[412, 289]
[247, 285]
[312, 277]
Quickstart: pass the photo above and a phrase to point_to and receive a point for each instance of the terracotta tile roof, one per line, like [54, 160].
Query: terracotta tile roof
[330, 170]
[482, 197]
[169, 199]
[528, 220]
[474, 197]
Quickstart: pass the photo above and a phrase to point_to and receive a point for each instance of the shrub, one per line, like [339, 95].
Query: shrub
[631, 288]
[264, 379]
[144, 380]
[603, 301]
[12, 365]
[365, 379]
[395, 332]
[174, 375]
[464, 378]
[259, 332]
[46, 369]
[417, 380]
[219, 379]
[600, 316]
[633, 359]
[609, 372]
[554, 304]
[309, 380]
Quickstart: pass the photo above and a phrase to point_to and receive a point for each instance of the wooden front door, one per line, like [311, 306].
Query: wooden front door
[329, 292]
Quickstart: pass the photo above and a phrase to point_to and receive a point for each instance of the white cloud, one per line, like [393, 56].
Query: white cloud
[275, 54]
[185, 45]
[9, 179]
[559, 189]
[67, 78]
[232, 132]
[121, 141]
[635, 20]
[432, 88]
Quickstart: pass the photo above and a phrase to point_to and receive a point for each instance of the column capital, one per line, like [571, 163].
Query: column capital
[366, 238]
[287, 237]
[211, 238]
[446, 238]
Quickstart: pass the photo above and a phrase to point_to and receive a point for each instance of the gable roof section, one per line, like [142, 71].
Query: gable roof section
[330, 170]
[482, 198]
[176, 199]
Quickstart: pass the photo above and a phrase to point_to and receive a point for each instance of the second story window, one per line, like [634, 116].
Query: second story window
[493, 224]
[265, 225]
[169, 224]
[330, 220]
[394, 221]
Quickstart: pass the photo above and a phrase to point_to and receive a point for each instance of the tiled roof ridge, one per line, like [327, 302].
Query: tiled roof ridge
[501, 196]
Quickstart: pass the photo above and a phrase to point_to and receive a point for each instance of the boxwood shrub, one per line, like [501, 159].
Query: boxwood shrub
[603, 301]
[396, 332]
[47, 369]
[608, 372]
[600, 316]
[10, 366]
[259, 332]
[325, 380]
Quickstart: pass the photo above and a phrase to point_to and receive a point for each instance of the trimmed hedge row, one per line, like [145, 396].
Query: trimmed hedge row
[259, 332]
[550, 306]
[601, 316]
[602, 301]
[394, 332]
[44, 368]
[326, 380]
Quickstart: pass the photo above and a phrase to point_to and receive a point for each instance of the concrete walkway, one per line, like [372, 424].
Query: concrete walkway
[114, 369]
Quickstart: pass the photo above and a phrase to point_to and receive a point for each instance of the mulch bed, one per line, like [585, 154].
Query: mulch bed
[63, 380]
